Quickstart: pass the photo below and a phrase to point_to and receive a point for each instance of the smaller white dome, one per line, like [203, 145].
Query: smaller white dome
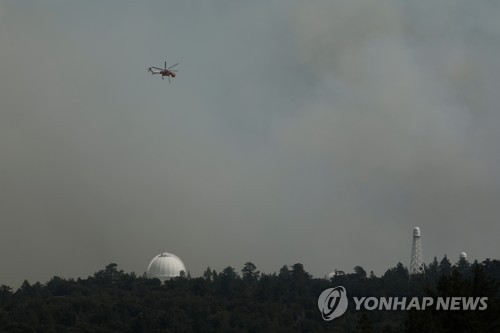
[165, 266]
[330, 275]
[463, 255]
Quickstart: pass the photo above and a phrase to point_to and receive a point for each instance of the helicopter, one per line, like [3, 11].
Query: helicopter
[168, 72]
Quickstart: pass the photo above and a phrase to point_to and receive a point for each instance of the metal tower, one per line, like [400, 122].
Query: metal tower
[417, 259]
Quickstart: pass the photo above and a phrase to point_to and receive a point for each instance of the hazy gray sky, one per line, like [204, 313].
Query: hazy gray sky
[317, 132]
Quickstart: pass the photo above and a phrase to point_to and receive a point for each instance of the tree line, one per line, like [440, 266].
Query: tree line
[249, 301]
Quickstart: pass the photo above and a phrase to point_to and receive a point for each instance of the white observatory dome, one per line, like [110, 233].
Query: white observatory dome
[330, 275]
[463, 255]
[416, 232]
[165, 266]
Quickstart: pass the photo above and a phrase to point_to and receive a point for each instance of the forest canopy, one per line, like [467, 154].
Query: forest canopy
[247, 300]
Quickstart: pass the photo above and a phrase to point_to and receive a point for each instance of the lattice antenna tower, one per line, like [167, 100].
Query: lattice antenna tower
[417, 259]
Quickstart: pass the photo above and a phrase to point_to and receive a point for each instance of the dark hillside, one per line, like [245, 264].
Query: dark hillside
[114, 301]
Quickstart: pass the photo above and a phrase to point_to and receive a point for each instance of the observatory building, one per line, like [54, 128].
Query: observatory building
[333, 274]
[165, 266]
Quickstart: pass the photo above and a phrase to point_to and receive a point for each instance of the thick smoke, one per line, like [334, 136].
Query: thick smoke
[318, 133]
